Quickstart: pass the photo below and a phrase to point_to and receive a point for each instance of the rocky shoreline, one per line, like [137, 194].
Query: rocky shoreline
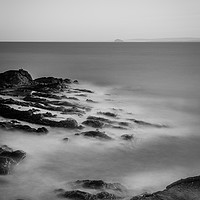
[38, 102]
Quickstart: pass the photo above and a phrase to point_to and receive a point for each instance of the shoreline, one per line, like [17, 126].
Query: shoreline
[36, 106]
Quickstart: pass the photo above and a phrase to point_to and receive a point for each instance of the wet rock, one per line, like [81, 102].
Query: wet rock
[124, 123]
[29, 116]
[81, 195]
[119, 127]
[93, 123]
[9, 158]
[184, 189]
[17, 126]
[91, 101]
[97, 185]
[127, 137]
[84, 90]
[81, 95]
[46, 95]
[75, 81]
[143, 123]
[96, 134]
[15, 78]
[66, 139]
[109, 114]
[100, 119]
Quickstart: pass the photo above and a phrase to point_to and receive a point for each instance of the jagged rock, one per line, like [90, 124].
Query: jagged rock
[9, 158]
[29, 116]
[184, 189]
[12, 125]
[84, 90]
[109, 114]
[81, 195]
[75, 81]
[96, 134]
[91, 101]
[127, 137]
[46, 95]
[143, 123]
[100, 119]
[93, 123]
[97, 185]
[15, 78]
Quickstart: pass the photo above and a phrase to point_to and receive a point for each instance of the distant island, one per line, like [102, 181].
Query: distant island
[118, 40]
[184, 39]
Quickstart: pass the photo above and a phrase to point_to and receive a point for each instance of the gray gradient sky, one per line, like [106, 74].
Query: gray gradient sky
[97, 20]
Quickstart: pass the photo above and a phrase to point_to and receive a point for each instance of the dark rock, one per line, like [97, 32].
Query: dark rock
[75, 81]
[81, 95]
[15, 78]
[84, 90]
[29, 116]
[109, 114]
[93, 123]
[123, 123]
[15, 125]
[184, 189]
[96, 134]
[66, 139]
[91, 101]
[81, 195]
[100, 119]
[127, 137]
[77, 195]
[119, 127]
[143, 123]
[46, 95]
[98, 185]
[9, 158]
[68, 81]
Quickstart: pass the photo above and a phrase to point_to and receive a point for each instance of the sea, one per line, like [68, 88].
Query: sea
[154, 82]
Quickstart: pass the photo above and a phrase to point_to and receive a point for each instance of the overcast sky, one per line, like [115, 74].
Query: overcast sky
[97, 20]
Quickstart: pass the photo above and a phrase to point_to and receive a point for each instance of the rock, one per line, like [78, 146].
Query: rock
[143, 123]
[46, 95]
[9, 158]
[66, 139]
[184, 189]
[127, 137]
[15, 125]
[96, 134]
[91, 101]
[77, 195]
[75, 81]
[84, 90]
[81, 95]
[93, 123]
[109, 114]
[123, 123]
[81, 195]
[119, 127]
[29, 116]
[15, 78]
[97, 185]
[100, 119]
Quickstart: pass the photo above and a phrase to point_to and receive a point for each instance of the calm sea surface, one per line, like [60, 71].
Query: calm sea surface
[154, 82]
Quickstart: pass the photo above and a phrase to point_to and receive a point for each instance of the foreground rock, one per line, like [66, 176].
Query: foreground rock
[184, 189]
[95, 134]
[17, 126]
[29, 116]
[81, 195]
[97, 185]
[15, 78]
[9, 159]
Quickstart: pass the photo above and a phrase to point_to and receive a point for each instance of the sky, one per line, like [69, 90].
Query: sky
[98, 20]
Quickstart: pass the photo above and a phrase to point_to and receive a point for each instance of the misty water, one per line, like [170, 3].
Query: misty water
[154, 82]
